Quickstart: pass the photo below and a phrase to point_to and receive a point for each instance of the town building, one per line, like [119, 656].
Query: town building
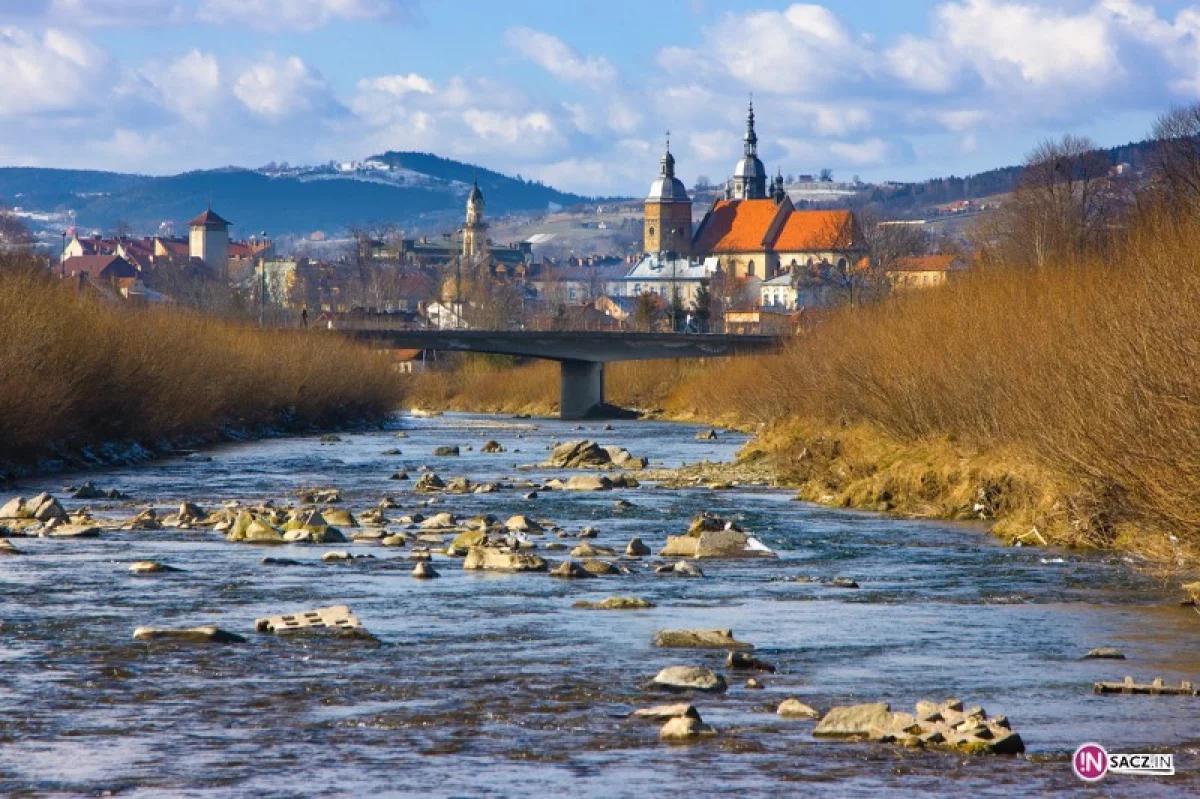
[208, 240]
[667, 212]
[924, 271]
[666, 276]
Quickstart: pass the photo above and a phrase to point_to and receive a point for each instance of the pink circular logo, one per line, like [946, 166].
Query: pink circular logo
[1090, 762]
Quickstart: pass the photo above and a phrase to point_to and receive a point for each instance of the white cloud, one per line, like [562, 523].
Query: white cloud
[56, 71]
[559, 59]
[277, 88]
[396, 85]
[190, 86]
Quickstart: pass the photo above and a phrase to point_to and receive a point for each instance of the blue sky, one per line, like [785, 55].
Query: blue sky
[578, 93]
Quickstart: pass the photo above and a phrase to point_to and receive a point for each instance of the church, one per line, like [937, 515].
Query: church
[753, 233]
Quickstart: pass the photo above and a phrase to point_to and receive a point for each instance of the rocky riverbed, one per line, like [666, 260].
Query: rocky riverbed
[496, 629]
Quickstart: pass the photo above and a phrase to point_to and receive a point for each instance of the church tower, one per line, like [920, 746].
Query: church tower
[474, 242]
[749, 176]
[668, 211]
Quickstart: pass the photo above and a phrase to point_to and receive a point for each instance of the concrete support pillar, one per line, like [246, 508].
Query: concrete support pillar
[582, 388]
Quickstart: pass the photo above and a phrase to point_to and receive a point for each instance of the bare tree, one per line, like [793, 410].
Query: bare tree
[14, 234]
[1063, 207]
[1175, 160]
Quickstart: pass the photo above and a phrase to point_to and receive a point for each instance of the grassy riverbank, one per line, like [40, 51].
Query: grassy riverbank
[79, 372]
[1065, 401]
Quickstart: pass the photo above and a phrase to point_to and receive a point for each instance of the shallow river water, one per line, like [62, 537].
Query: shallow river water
[493, 685]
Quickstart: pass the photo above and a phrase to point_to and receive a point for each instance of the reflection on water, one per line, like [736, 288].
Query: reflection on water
[492, 684]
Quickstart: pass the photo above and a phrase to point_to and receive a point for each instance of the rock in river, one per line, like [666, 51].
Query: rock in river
[685, 729]
[636, 549]
[499, 560]
[699, 639]
[445, 452]
[424, 571]
[660, 712]
[1105, 653]
[207, 634]
[690, 678]
[747, 662]
[616, 603]
[571, 570]
[848, 720]
[151, 567]
[795, 709]
[588, 482]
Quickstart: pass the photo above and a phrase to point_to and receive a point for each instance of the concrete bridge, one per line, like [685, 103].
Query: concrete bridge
[581, 354]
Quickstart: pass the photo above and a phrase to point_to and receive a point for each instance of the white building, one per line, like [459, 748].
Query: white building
[659, 274]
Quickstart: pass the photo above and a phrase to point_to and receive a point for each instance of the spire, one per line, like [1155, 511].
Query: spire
[751, 137]
[668, 160]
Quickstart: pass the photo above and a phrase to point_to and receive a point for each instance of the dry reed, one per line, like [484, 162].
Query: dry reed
[79, 371]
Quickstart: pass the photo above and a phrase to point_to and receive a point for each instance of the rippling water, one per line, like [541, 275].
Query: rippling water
[493, 685]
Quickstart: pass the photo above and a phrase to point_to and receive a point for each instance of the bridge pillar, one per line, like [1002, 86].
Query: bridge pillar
[582, 388]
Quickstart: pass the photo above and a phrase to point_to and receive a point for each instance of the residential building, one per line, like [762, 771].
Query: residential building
[924, 271]
[666, 277]
[105, 268]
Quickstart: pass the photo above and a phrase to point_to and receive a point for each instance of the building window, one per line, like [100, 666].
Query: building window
[842, 264]
[750, 269]
[637, 289]
[650, 230]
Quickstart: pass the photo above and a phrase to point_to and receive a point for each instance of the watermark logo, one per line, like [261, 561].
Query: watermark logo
[1091, 762]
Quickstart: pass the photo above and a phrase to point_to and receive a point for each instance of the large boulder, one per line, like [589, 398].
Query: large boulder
[578, 455]
[522, 524]
[685, 729]
[463, 542]
[730, 544]
[660, 712]
[45, 508]
[340, 517]
[499, 560]
[439, 521]
[623, 459]
[445, 452]
[699, 639]
[429, 482]
[847, 720]
[588, 482]
[14, 509]
[491, 446]
[680, 546]
[690, 678]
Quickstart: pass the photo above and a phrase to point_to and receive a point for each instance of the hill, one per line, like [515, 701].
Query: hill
[401, 188]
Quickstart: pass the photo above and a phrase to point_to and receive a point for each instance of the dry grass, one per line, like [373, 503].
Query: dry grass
[79, 372]
[1080, 384]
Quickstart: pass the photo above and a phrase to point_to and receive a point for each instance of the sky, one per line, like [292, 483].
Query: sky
[580, 94]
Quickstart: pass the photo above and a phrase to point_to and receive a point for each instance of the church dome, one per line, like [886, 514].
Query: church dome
[475, 197]
[667, 188]
[750, 167]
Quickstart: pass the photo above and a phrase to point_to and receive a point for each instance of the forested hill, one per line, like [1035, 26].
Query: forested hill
[399, 188]
[985, 184]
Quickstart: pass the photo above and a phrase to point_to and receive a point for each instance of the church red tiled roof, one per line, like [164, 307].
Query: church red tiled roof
[738, 226]
[209, 219]
[818, 231]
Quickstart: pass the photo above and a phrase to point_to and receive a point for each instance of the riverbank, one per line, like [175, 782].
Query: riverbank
[1058, 404]
[843, 466]
[89, 383]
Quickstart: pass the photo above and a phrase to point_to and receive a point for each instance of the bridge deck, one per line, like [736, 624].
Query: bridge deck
[566, 345]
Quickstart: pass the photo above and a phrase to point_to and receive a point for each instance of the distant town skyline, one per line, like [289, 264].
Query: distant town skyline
[579, 95]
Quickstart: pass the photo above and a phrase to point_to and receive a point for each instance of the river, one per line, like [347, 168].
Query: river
[491, 684]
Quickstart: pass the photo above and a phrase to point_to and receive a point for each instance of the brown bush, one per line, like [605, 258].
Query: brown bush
[79, 371]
